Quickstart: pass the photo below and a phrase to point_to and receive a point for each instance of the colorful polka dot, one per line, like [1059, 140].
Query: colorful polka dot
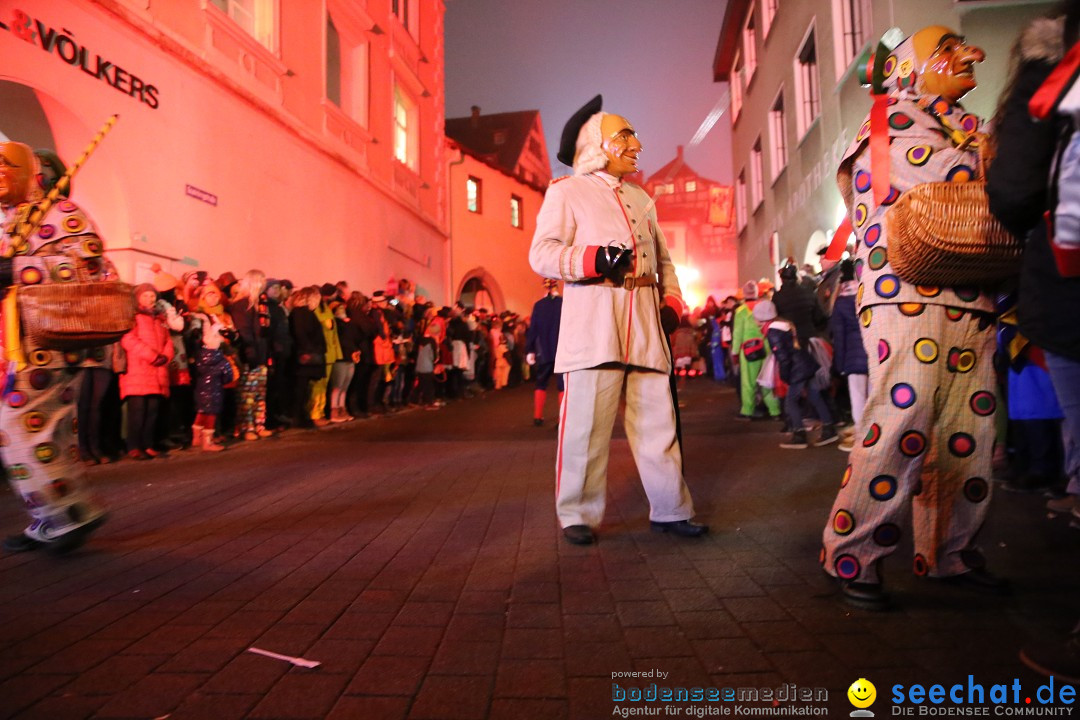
[864, 132]
[92, 247]
[843, 523]
[889, 66]
[878, 258]
[67, 395]
[883, 488]
[969, 123]
[912, 443]
[954, 314]
[883, 351]
[19, 471]
[887, 286]
[926, 350]
[46, 231]
[872, 235]
[965, 361]
[941, 107]
[862, 181]
[859, 269]
[900, 121]
[919, 566]
[46, 452]
[39, 379]
[873, 434]
[983, 403]
[74, 224]
[928, 290]
[892, 197]
[859, 294]
[66, 206]
[976, 490]
[911, 309]
[905, 82]
[887, 534]
[919, 155]
[64, 272]
[903, 395]
[34, 421]
[960, 173]
[16, 399]
[860, 214]
[847, 477]
[866, 316]
[30, 276]
[847, 567]
[40, 357]
[967, 293]
[961, 444]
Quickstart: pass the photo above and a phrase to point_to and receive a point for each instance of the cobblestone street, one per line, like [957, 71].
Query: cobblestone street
[417, 558]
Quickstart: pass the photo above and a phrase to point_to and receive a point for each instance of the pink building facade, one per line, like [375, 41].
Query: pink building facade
[498, 171]
[303, 139]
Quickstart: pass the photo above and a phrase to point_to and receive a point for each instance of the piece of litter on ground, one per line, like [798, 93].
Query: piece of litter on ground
[299, 662]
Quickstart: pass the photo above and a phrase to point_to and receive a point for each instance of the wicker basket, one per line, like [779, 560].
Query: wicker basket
[942, 233]
[75, 315]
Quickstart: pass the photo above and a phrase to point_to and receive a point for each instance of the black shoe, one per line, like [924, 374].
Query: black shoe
[1029, 484]
[828, 436]
[538, 422]
[797, 442]
[21, 543]
[865, 596]
[75, 539]
[979, 579]
[1060, 659]
[682, 528]
[743, 418]
[579, 534]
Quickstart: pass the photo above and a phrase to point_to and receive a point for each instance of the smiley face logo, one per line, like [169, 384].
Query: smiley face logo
[862, 693]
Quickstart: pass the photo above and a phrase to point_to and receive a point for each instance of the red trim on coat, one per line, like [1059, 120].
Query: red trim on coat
[589, 261]
[562, 432]
[1057, 83]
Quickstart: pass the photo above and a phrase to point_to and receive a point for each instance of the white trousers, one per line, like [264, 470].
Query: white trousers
[590, 403]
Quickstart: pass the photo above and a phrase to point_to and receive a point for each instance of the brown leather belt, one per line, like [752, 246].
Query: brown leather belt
[629, 283]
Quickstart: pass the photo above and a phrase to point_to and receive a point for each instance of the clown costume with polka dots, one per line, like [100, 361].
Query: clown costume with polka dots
[925, 442]
[38, 432]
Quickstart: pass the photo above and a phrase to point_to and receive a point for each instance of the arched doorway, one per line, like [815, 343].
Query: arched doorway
[480, 290]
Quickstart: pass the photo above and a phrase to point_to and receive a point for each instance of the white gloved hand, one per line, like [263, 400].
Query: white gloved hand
[531, 358]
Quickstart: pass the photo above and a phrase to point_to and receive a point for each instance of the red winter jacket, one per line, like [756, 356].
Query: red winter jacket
[143, 343]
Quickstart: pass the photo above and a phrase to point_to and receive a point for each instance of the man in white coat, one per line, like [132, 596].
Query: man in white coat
[599, 236]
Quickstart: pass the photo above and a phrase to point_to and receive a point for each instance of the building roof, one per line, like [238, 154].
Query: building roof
[478, 133]
[728, 44]
[677, 168]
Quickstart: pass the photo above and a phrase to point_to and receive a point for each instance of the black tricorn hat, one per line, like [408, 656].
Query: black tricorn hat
[570, 131]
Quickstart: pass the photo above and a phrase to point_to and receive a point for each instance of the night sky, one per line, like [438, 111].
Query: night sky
[651, 60]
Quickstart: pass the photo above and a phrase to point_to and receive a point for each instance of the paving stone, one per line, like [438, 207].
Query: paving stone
[153, 696]
[520, 643]
[216, 707]
[531, 678]
[534, 615]
[463, 657]
[370, 708]
[453, 698]
[643, 614]
[388, 675]
[520, 708]
[596, 659]
[301, 694]
[477, 628]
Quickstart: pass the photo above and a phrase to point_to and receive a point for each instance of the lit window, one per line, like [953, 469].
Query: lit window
[749, 45]
[852, 23]
[405, 11]
[757, 179]
[776, 135]
[669, 188]
[258, 18]
[768, 13]
[691, 185]
[515, 211]
[741, 210]
[347, 73]
[500, 137]
[406, 136]
[472, 194]
[807, 86]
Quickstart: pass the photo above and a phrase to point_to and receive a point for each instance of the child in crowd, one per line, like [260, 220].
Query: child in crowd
[796, 367]
[213, 371]
[341, 374]
[145, 383]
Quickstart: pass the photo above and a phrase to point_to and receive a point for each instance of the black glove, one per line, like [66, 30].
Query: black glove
[159, 361]
[613, 262]
[669, 319]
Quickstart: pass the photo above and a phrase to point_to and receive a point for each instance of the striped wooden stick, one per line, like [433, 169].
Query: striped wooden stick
[28, 225]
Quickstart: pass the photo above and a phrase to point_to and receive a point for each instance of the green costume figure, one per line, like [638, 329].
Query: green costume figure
[746, 328]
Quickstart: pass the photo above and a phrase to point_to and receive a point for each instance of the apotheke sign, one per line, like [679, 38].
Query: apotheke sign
[63, 44]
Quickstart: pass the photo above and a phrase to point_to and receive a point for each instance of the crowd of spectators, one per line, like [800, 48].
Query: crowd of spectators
[211, 361]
